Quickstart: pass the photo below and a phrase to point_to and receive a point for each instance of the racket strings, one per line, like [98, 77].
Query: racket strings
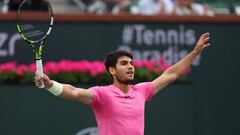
[34, 30]
[34, 23]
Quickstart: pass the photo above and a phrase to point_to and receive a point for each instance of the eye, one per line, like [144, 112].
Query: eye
[126, 62]
[123, 62]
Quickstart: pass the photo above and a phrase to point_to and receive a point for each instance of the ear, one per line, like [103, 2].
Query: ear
[112, 71]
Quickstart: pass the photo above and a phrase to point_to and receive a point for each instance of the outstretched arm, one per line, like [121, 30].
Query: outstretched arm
[65, 91]
[172, 73]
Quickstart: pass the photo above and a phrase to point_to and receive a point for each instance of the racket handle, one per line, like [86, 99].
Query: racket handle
[40, 71]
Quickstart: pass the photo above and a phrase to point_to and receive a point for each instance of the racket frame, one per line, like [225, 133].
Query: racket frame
[37, 51]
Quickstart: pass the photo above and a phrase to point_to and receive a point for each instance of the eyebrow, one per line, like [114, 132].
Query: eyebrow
[124, 61]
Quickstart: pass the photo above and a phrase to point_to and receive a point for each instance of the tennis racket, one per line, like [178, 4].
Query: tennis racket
[34, 23]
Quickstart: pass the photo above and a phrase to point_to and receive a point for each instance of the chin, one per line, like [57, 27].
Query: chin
[129, 81]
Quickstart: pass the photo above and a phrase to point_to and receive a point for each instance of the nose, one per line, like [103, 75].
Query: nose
[130, 66]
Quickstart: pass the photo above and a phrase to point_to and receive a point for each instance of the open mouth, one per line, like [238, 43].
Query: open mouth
[130, 73]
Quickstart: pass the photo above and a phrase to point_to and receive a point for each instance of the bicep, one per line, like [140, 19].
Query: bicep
[77, 94]
[162, 81]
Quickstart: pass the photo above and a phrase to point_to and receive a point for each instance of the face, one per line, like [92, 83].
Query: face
[124, 71]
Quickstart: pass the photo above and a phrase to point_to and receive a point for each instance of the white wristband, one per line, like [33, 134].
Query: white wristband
[56, 89]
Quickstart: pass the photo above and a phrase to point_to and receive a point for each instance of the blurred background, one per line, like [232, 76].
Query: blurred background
[204, 101]
[146, 7]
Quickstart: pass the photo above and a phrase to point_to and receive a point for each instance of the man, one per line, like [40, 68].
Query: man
[119, 108]
[155, 7]
[188, 7]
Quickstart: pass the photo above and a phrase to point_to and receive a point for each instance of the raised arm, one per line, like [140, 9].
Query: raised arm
[65, 91]
[173, 72]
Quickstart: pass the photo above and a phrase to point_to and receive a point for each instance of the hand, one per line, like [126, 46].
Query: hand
[46, 80]
[202, 43]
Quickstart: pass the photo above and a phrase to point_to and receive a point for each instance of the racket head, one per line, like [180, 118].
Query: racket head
[34, 20]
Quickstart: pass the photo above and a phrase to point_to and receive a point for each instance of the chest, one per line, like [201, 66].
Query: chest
[130, 107]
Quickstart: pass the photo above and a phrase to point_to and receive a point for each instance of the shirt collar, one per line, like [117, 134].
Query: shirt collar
[120, 94]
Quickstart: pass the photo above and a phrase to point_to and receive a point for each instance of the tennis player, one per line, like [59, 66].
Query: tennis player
[119, 107]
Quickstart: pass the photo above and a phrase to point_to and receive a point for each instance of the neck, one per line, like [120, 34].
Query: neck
[121, 86]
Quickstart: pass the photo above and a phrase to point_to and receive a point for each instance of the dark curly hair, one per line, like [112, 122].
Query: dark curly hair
[111, 59]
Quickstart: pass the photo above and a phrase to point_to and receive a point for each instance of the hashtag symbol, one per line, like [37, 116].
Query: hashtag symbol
[127, 36]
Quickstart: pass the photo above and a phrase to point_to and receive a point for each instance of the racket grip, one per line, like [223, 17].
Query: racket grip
[40, 71]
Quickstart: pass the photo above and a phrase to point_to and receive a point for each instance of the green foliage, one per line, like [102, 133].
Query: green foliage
[8, 76]
[102, 78]
[28, 77]
[142, 74]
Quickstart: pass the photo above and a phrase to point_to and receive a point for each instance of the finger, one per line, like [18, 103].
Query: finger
[206, 45]
[203, 40]
[38, 81]
[36, 74]
[206, 40]
[205, 34]
[45, 77]
[38, 84]
[36, 78]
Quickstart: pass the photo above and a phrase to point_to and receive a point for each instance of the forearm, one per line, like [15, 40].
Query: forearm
[65, 91]
[70, 92]
[172, 73]
[62, 90]
[179, 68]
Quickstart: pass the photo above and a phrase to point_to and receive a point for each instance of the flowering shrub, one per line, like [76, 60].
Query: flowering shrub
[83, 71]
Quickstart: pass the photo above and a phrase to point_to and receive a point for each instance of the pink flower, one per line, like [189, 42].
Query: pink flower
[162, 60]
[21, 69]
[149, 65]
[93, 68]
[97, 68]
[64, 65]
[51, 67]
[9, 66]
[138, 63]
[85, 66]
[162, 68]
[162, 65]
[32, 67]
